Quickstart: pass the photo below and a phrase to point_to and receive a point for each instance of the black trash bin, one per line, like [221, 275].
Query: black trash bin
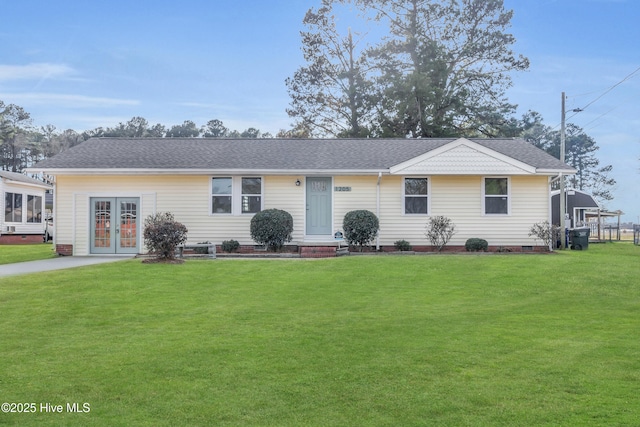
[579, 238]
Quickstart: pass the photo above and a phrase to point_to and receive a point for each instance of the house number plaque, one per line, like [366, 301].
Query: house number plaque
[342, 188]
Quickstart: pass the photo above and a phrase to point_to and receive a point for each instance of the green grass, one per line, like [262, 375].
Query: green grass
[451, 340]
[10, 254]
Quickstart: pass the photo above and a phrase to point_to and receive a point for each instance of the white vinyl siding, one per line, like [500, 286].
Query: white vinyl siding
[281, 192]
[362, 196]
[460, 198]
[189, 199]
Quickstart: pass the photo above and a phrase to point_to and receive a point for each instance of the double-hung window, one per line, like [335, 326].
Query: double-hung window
[416, 196]
[12, 207]
[236, 195]
[496, 196]
[251, 195]
[221, 195]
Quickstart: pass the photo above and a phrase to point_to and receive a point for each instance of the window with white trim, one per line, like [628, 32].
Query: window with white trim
[416, 196]
[496, 196]
[34, 209]
[221, 195]
[12, 207]
[251, 195]
[236, 195]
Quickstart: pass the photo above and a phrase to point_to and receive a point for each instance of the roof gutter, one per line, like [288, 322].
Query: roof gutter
[28, 184]
[132, 171]
[570, 171]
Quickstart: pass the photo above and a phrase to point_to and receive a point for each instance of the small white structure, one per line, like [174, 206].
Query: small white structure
[22, 204]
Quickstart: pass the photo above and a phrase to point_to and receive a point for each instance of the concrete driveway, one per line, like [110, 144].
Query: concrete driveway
[59, 263]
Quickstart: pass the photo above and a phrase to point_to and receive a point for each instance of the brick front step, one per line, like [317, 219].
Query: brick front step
[317, 251]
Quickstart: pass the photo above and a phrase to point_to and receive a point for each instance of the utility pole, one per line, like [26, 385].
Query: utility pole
[563, 232]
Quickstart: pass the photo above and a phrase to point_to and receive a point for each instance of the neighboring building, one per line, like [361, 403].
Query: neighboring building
[494, 189]
[583, 210]
[23, 208]
[577, 204]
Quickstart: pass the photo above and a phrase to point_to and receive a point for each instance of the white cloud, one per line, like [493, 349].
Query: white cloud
[36, 71]
[64, 100]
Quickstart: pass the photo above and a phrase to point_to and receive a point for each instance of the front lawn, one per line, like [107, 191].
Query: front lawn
[20, 253]
[477, 340]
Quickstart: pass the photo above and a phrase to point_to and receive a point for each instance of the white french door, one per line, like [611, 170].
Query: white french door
[115, 225]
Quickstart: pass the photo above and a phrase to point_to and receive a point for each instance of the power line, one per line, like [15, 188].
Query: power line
[609, 90]
[579, 110]
[598, 118]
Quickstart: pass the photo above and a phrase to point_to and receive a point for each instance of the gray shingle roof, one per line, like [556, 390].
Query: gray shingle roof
[271, 154]
[13, 176]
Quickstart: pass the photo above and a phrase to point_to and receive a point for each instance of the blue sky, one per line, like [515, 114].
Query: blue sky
[80, 65]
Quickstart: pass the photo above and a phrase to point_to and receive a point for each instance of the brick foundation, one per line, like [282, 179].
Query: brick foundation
[64, 250]
[331, 251]
[19, 239]
[459, 249]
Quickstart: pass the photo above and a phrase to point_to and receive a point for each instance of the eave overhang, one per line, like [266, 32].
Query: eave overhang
[43, 186]
[281, 172]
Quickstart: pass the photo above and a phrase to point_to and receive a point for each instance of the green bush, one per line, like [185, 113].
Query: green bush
[163, 234]
[476, 245]
[230, 245]
[360, 227]
[272, 228]
[402, 245]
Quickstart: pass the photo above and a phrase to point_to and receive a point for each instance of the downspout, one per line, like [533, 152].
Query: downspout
[551, 181]
[54, 213]
[378, 210]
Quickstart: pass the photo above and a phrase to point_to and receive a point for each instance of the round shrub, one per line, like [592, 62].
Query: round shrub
[272, 228]
[163, 234]
[402, 245]
[476, 245]
[360, 227]
[230, 245]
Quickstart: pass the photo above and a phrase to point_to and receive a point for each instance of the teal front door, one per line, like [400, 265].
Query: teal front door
[319, 210]
[115, 225]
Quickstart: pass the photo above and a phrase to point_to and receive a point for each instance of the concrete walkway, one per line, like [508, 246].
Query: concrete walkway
[56, 264]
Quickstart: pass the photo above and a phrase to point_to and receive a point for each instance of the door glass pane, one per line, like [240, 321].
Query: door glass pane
[102, 233]
[128, 224]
